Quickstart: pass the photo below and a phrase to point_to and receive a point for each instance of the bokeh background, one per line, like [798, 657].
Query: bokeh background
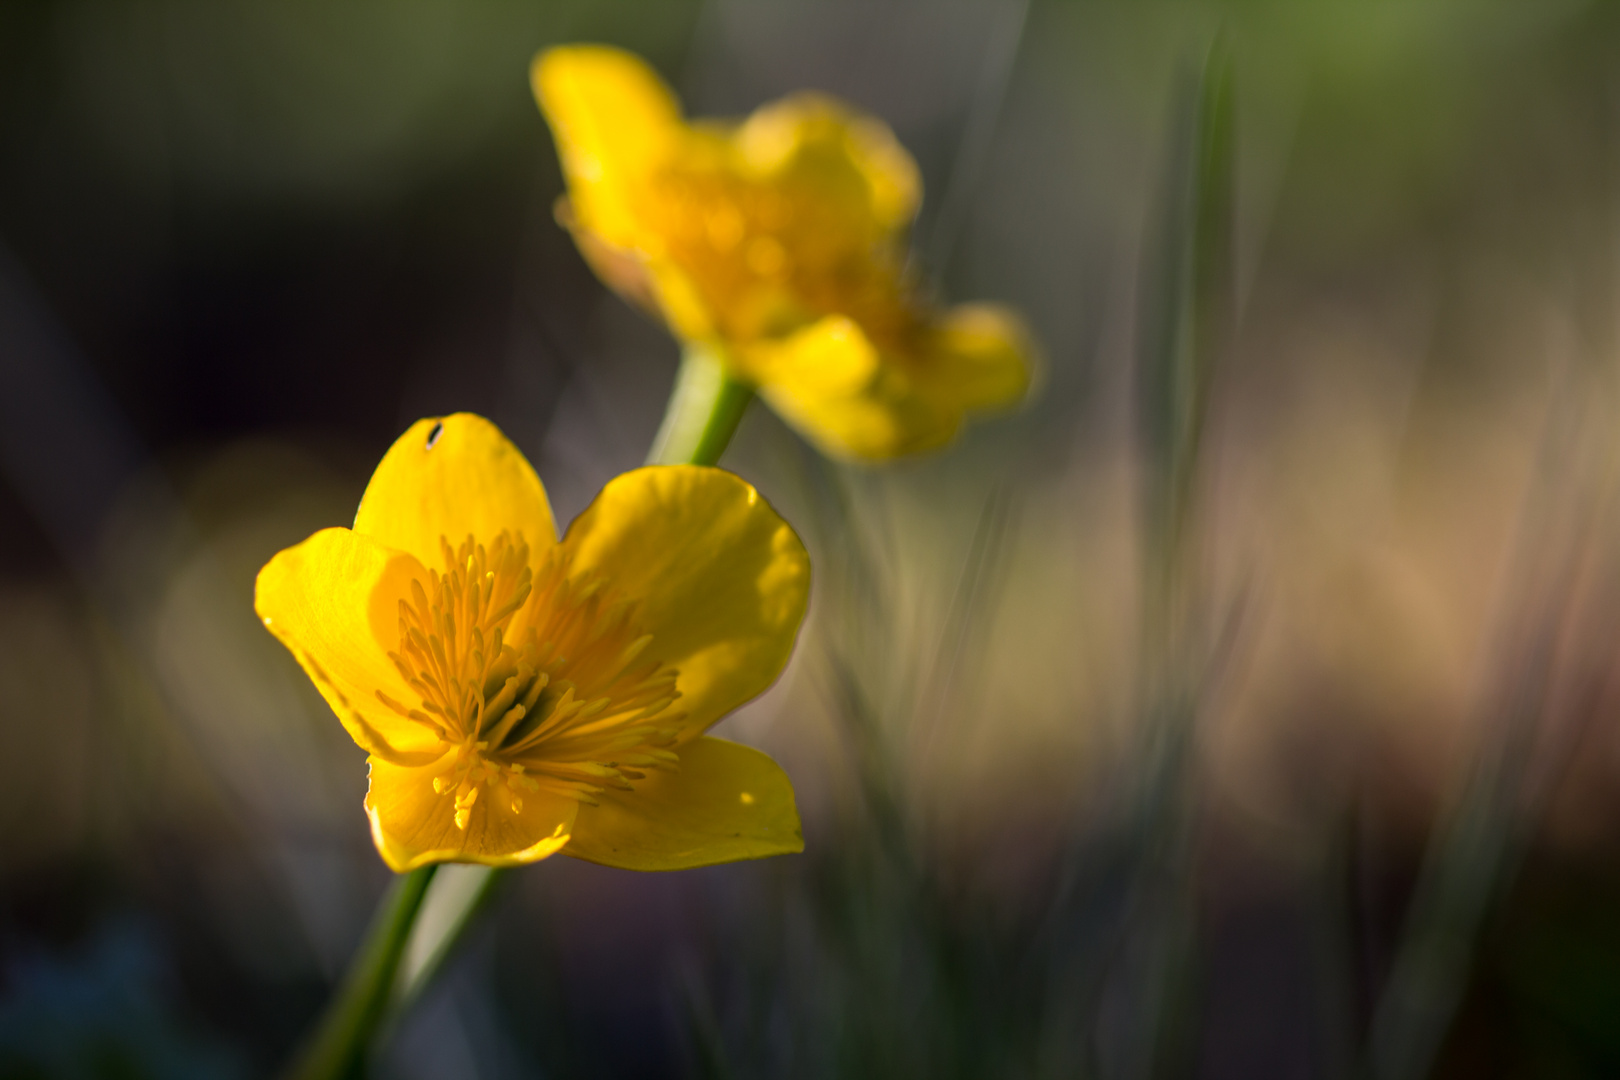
[244, 245]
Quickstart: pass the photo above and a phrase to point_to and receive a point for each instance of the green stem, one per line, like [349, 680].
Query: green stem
[338, 1049]
[703, 412]
[458, 894]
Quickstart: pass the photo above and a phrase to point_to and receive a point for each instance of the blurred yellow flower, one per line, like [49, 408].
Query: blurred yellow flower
[521, 694]
[781, 242]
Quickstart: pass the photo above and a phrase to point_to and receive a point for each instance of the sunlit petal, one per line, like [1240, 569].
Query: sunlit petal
[333, 600]
[826, 147]
[722, 582]
[452, 477]
[615, 121]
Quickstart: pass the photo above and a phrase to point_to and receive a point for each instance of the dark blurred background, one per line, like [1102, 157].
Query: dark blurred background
[244, 245]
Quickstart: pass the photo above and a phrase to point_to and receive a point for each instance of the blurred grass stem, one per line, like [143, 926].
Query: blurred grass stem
[339, 1047]
[978, 137]
[1475, 851]
[1187, 322]
[1122, 923]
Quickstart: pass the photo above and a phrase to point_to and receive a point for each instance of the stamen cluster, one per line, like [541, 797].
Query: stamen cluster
[531, 679]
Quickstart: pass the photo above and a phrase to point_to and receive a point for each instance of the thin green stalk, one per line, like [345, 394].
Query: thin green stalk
[1475, 851]
[973, 150]
[704, 410]
[1185, 334]
[458, 894]
[1121, 921]
[339, 1048]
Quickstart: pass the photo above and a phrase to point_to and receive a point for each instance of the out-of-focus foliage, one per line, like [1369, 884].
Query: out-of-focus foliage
[243, 246]
[104, 1013]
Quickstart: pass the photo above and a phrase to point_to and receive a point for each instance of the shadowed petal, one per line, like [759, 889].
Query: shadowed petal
[982, 355]
[727, 802]
[412, 825]
[829, 381]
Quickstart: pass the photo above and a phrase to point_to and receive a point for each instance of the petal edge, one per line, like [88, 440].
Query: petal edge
[722, 582]
[330, 600]
[450, 476]
[728, 802]
[413, 826]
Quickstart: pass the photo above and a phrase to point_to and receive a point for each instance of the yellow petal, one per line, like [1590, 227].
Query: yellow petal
[614, 121]
[680, 301]
[982, 355]
[720, 580]
[818, 143]
[829, 381]
[334, 601]
[655, 284]
[412, 825]
[727, 802]
[830, 358]
[448, 477]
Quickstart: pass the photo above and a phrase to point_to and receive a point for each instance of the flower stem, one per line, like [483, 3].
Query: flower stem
[458, 894]
[338, 1049]
[703, 411]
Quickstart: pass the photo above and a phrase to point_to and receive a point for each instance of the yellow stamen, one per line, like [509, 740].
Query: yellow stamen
[533, 675]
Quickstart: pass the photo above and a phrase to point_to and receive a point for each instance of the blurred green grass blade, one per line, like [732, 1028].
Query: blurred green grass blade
[1187, 320]
[1122, 922]
[705, 1042]
[1470, 861]
[975, 587]
[866, 679]
[978, 137]
[1477, 845]
[963, 631]
[1187, 311]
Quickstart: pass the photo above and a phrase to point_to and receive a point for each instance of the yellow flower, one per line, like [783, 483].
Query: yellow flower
[781, 243]
[521, 694]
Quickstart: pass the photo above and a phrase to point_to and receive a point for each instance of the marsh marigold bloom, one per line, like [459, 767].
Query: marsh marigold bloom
[781, 243]
[521, 694]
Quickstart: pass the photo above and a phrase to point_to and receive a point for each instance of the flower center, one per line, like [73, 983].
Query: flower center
[532, 679]
[768, 255]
